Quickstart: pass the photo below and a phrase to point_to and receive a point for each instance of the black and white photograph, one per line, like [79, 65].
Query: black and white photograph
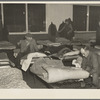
[50, 45]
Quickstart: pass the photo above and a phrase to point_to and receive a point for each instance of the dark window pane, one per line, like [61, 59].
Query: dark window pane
[14, 17]
[0, 12]
[36, 17]
[79, 17]
[94, 15]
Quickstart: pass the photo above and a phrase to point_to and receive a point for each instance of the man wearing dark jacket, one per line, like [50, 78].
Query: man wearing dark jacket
[90, 63]
[66, 30]
[28, 45]
[52, 30]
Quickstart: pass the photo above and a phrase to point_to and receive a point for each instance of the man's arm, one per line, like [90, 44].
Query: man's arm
[84, 63]
[72, 53]
[33, 46]
[62, 28]
[71, 29]
[95, 64]
[18, 43]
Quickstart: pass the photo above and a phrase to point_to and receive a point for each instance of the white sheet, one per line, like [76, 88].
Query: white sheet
[26, 63]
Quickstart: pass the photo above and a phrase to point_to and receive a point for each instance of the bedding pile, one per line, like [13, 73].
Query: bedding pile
[12, 78]
[63, 41]
[4, 60]
[45, 42]
[29, 59]
[5, 45]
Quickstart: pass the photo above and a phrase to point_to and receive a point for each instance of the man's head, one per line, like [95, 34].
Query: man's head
[85, 51]
[28, 36]
[67, 21]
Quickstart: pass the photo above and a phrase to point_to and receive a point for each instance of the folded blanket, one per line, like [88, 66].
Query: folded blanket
[26, 62]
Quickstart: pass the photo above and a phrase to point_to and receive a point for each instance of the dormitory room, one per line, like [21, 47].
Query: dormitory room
[49, 46]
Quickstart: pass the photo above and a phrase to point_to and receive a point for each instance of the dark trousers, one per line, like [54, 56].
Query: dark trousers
[95, 79]
[18, 59]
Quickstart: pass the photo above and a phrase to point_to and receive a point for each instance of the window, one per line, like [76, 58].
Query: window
[14, 17]
[86, 16]
[79, 17]
[36, 17]
[94, 16]
[0, 20]
[0, 12]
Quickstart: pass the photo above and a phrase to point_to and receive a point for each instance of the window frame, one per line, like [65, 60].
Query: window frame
[45, 32]
[88, 17]
[26, 21]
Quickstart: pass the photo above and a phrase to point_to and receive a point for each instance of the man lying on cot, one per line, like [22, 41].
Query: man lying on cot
[28, 45]
[90, 62]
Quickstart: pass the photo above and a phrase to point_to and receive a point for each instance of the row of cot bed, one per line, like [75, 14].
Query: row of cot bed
[50, 66]
[54, 68]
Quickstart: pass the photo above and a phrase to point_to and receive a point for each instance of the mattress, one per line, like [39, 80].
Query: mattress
[4, 61]
[5, 45]
[52, 74]
[97, 47]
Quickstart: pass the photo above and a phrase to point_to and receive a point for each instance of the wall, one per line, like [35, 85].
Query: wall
[15, 38]
[57, 13]
[85, 35]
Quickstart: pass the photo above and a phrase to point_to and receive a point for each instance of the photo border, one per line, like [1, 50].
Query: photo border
[50, 94]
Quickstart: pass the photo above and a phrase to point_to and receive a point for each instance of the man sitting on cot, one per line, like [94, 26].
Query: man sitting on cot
[28, 45]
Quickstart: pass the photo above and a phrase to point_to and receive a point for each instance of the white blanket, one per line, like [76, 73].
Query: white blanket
[26, 63]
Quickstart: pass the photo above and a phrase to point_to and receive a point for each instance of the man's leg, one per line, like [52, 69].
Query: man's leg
[95, 79]
[18, 59]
